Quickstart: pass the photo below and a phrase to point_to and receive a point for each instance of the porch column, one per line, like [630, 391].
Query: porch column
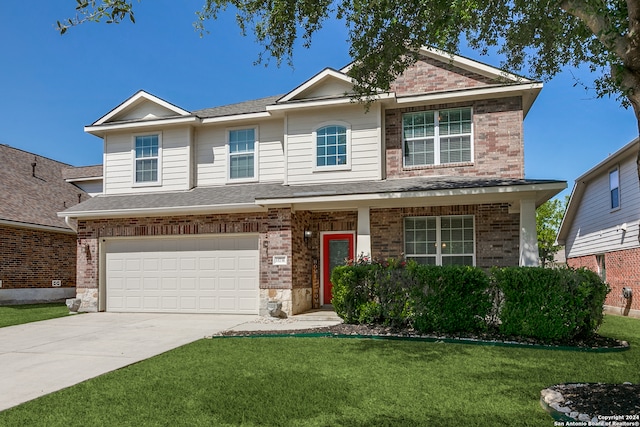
[528, 234]
[363, 239]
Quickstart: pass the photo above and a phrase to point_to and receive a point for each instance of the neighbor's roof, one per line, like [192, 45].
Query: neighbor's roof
[80, 173]
[33, 201]
[258, 196]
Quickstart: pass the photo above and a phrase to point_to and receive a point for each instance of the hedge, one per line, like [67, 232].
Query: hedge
[550, 305]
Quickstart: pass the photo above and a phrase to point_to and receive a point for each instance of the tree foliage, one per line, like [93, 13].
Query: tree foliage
[548, 219]
[537, 38]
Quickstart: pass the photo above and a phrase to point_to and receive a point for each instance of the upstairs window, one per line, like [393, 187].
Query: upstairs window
[435, 240]
[147, 155]
[242, 155]
[332, 147]
[614, 188]
[437, 137]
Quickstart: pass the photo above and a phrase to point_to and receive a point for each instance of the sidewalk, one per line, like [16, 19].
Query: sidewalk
[311, 319]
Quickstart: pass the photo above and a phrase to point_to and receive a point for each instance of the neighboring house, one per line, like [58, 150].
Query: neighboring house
[600, 227]
[37, 248]
[87, 178]
[237, 208]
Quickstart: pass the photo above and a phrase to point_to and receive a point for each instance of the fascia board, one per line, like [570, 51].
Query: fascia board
[100, 129]
[513, 191]
[134, 99]
[323, 103]
[235, 118]
[164, 211]
[472, 65]
[35, 226]
[469, 94]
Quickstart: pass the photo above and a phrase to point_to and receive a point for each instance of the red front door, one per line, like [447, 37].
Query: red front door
[336, 248]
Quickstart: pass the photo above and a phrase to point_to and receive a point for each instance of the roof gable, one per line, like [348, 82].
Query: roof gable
[328, 83]
[142, 106]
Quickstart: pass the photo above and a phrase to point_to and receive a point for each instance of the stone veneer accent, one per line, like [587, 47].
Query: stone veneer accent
[497, 231]
[497, 140]
[622, 270]
[32, 258]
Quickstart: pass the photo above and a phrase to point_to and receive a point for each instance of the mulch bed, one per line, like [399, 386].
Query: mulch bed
[592, 399]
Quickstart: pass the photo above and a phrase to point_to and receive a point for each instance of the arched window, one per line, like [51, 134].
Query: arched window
[331, 146]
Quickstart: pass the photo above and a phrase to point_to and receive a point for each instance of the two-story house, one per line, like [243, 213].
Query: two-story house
[601, 227]
[225, 209]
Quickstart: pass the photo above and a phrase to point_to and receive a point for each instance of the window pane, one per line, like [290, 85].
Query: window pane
[147, 170]
[333, 140]
[241, 141]
[241, 166]
[455, 149]
[614, 188]
[146, 146]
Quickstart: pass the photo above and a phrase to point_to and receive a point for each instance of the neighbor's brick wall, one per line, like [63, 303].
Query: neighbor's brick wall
[623, 270]
[33, 258]
[274, 229]
[429, 75]
[497, 231]
[497, 141]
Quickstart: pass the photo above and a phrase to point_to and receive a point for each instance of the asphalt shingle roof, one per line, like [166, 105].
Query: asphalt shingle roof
[249, 193]
[34, 198]
[81, 172]
[246, 107]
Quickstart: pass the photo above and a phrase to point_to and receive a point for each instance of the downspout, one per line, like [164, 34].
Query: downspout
[67, 220]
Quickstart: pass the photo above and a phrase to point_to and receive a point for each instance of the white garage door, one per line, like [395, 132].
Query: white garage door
[183, 275]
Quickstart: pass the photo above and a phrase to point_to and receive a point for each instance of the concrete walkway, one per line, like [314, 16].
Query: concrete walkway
[42, 357]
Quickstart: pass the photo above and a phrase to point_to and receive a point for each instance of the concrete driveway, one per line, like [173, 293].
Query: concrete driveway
[42, 357]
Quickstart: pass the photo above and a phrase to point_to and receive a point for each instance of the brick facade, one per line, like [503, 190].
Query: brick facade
[622, 270]
[429, 75]
[498, 145]
[32, 258]
[497, 232]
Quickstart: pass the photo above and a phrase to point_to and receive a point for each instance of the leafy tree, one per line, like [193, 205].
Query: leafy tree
[548, 219]
[536, 37]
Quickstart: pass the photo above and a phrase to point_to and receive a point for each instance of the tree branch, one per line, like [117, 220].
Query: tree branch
[599, 24]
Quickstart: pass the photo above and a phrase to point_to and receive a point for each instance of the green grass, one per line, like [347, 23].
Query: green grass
[18, 314]
[332, 382]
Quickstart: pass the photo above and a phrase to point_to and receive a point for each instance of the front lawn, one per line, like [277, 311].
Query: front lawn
[333, 382]
[18, 314]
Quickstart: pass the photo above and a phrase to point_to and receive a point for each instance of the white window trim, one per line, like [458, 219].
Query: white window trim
[256, 151]
[314, 136]
[436, 139]
[157, 183]
[438, 254]
[617, 208]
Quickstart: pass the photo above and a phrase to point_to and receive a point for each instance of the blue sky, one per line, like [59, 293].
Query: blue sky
[51, 85]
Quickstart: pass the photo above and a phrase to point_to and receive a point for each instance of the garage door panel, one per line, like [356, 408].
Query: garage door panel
[191, 275]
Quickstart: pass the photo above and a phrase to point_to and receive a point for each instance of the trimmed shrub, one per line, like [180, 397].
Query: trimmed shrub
[354, 294]
[450, 298]
[551, 305]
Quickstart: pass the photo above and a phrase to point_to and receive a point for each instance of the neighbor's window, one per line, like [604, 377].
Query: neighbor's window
[242, 156]
[445, 240]
[614, 188]
[437, 137]
[602, 267]
[331, 146]
[147, 156]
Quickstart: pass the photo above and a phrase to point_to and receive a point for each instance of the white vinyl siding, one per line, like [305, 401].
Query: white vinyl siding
[211, 154]
[365, 148]
[119, 161]
[597, 229]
